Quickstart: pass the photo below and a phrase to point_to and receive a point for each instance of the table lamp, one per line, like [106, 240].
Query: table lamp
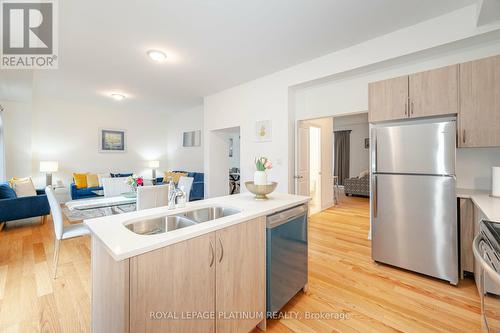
[48, 167]
[154, 165]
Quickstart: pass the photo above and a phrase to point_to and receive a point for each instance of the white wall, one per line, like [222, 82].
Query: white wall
[411, 49]
[17, 121]
[359, 159]
[69, 133]
[474, 167]
[179, 157]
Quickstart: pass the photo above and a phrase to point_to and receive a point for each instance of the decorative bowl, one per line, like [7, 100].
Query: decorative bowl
[261, 191]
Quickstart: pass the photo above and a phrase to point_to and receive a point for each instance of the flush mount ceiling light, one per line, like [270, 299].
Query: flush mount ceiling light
[117, 96]
[156, 55]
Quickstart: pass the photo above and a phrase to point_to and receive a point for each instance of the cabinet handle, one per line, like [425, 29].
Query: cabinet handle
[411, 108]
[221, 250]
[406, 108]
[463, 136]
[212, 252]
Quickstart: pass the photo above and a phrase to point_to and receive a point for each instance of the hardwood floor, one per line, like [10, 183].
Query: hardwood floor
[343, 280]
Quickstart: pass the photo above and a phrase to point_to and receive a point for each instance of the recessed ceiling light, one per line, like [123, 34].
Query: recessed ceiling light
[117, 96]
[156, 55]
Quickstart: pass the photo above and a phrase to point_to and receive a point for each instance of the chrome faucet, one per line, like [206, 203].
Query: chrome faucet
[172, 197]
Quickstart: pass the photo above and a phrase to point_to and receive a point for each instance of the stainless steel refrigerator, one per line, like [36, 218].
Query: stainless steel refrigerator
[413, 196]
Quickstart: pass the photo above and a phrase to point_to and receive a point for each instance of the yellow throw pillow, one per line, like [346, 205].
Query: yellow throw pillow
[175, 176]
[92, 180]
[80, 180]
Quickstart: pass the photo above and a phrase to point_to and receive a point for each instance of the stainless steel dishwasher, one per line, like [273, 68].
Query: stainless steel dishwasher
[286, 258]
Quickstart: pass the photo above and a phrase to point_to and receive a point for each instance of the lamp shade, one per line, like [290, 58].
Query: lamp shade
[49, 166]
[154, 164]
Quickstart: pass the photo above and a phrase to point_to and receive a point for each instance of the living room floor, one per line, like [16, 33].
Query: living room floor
[342, 279]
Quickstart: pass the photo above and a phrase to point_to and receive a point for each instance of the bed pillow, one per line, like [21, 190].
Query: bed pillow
[6, 192]
[364, 173]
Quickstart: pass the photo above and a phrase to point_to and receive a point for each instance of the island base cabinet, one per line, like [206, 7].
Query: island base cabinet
[241, 277]
[110, 291]
[172, 288]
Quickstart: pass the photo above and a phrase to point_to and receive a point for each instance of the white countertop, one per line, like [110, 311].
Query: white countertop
[490, 206]
[123, 243]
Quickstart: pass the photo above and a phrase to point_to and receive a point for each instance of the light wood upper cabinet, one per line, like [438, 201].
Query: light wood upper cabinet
[434, 92]
[479, 117]
[388, 99]
[176, 279]
[241, 275]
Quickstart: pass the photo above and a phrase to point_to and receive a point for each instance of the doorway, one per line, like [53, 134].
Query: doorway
[314, 174]
[315, 168]
[233, 141]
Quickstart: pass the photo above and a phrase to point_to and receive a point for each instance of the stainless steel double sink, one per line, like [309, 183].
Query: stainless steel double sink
[165, 224]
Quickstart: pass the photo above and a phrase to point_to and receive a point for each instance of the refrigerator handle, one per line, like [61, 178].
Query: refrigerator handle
[374, 196]
[374, 146]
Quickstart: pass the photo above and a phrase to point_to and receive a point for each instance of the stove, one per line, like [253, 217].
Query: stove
[487, 252]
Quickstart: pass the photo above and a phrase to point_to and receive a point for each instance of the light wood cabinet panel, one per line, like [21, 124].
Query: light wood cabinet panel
[434, 92]
[110, 292]
[466, 235]
[479, 117]
[177, 279]
[241, 275]
[388, 99]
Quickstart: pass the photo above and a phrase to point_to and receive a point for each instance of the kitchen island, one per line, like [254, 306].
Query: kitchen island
[198, 277]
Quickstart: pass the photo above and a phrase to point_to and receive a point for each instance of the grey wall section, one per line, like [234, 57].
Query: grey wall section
[359, 155]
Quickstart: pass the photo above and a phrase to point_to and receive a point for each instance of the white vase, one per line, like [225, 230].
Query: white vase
[260, 178]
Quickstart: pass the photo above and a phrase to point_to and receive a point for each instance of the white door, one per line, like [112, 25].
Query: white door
[302, 173]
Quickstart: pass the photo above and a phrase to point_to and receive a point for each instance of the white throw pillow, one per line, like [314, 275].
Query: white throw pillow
[24, 187]
[363, 173]
[100, 176]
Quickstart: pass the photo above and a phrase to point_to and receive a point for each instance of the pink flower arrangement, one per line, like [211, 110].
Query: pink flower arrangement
[263, 163]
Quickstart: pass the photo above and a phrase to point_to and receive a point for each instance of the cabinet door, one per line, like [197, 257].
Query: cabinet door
[434, 92]
[175, 280]
[479, 117]
[466, 235]
[388, 99]
[241, 276]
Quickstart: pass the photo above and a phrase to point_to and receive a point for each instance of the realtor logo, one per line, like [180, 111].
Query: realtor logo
[29, 34]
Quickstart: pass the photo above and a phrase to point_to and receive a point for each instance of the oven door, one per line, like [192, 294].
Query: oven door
[489, 283]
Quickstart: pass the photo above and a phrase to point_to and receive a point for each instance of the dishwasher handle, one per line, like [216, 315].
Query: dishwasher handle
[280, 218]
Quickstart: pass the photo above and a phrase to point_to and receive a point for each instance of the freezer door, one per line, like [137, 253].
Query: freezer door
[414, 224]
[416, 148]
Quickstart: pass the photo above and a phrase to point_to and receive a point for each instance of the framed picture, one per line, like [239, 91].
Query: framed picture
[111, 141]
[263, 131]
[367, 143]
[191, 139]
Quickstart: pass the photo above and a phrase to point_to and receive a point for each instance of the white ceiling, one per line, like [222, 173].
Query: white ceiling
[213, 44]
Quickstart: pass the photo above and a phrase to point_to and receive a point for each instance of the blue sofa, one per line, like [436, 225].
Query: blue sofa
[198, 189]
[84, 193]
[15, 208]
